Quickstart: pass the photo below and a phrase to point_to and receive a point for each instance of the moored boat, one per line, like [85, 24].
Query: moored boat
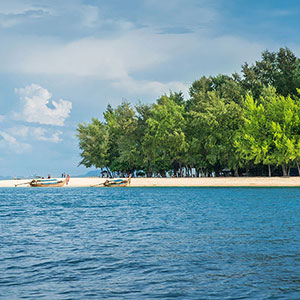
[117, 182]
[47, 183]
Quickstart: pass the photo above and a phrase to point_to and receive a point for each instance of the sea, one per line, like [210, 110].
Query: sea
[149, 243]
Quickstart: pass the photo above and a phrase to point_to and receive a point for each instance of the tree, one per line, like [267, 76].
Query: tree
[203, 85]
[278, 69]
[270, 132]
[251, 83]
[143, 114]
[164, 142]
[122, 126]
[253, 140]
[283, 113]
[93, 141]
[213, 122]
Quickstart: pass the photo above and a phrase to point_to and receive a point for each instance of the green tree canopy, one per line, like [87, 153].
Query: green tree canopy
[93, 141]
[164, 141]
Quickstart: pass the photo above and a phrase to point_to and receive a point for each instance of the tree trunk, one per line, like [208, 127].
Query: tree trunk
[298, 167]
[188, 171]
[236, 172]
[247, 171]
[269, 170]
[148, 172]
[202, 173]
[284, 170]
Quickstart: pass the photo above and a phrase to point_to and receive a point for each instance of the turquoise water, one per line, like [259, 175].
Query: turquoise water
[150, 243]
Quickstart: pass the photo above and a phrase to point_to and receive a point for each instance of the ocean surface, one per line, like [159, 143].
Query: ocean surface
[150, 243]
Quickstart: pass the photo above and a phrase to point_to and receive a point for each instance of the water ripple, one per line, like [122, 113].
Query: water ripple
[150, 243]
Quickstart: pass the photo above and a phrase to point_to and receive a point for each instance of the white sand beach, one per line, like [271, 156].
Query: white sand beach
[178, 182]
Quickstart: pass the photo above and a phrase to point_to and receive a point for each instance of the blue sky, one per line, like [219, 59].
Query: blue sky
[63, 61]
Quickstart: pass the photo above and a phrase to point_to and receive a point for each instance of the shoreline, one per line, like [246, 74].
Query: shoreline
[179, 182]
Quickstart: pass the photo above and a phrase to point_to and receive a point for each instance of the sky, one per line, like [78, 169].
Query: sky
[63, 61]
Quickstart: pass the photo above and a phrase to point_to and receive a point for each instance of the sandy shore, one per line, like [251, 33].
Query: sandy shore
[179, 182]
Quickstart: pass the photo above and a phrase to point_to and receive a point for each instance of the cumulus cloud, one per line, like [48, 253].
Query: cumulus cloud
[17, 139]
[89, 57]
[132, 56]
[35, 133]
[41, 134]
[10, 143]
[143, 53]
[35, 102]
[35, 106]
[18, 131]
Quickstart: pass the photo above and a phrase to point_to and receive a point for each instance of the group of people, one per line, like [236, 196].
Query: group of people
[63, 175]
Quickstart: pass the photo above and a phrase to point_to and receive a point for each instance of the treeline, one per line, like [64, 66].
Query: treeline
[246, 124]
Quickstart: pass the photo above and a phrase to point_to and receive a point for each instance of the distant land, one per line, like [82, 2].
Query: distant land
[93, 173]
[6, 177]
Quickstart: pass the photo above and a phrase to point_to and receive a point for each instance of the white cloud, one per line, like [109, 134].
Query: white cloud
[9, 142]
[18, 131]
[40, 134]
[35, 101]
[125, 58]
[15, 12]
[151, 87]
[2, 118]
[35, 133]
[18, 7]
[102, 58]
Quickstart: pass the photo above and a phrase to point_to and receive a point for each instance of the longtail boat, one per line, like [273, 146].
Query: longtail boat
[116, 182]
[47, 183]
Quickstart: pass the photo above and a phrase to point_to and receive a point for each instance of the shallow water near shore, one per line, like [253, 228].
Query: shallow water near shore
[150, 243]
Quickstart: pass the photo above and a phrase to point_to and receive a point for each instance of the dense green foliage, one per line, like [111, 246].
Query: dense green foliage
[248, 124]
